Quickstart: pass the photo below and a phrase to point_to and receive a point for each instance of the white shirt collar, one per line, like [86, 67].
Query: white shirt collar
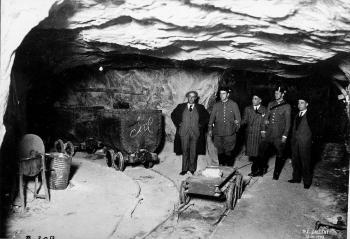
[188, 105]
[301, 113]
[256, 107]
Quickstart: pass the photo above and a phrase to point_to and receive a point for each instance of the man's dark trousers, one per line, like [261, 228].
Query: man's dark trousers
[189, 154]
[265, 148]
[301, 150]
[189, 133]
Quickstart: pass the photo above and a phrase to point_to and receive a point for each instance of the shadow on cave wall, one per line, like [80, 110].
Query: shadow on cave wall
[23, 77]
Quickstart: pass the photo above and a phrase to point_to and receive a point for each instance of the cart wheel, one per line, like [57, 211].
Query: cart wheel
[148, 164]
[91, 146]
[69, 148]
[59, 146]
[239, 185]
[119, 161]
[148, 160]
[184, 197]
[110, 156]
[231, 196]
[154, 157]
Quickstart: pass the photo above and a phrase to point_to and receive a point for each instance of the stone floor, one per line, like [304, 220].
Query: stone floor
[142, 203]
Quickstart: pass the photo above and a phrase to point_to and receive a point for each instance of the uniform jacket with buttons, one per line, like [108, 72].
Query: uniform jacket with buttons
[277, 120]
[222, 118]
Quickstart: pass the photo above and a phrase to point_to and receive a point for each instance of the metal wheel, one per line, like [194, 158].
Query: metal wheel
[148, 164]
[110, 157]
[91, 146]
[183, 196]
[154, 157]
[69, 148]
[239, 185]
[148, 160]
[119, 161]
[231, 196]
[59, 146]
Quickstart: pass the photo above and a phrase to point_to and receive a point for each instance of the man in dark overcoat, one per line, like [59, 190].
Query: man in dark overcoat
[253, 118]
[224, 123]
[275, 132]
[302, 134]
[190, 120]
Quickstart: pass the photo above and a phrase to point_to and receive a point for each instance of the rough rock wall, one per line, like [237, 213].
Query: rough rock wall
[18, 17]
[291, 32]
[145, 89]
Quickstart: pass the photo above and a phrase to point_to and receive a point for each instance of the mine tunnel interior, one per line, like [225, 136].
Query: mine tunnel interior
[50, 72]
[136, 81]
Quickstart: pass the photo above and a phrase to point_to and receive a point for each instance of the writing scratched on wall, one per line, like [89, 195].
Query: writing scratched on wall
[142, 128]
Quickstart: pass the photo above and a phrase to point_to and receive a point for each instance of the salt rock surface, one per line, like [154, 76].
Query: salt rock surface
[18, 17]
[292, 32]
[146, 89]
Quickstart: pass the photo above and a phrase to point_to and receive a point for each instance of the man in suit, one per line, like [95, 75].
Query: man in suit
[253, 118]
[224, 123]
[275, 132]
[301, 144]
[190, 120]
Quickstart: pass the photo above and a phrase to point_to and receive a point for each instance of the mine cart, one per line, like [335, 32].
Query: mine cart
[131, 136]
[77, 128]
[224, 182]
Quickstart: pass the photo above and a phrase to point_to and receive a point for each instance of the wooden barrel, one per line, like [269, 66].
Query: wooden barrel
[131, 130]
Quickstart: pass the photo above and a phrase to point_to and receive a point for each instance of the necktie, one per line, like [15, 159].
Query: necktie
[191, 108]
[256, 109]
[298, 120]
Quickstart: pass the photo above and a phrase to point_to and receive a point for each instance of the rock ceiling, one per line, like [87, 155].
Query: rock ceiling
[213, 33]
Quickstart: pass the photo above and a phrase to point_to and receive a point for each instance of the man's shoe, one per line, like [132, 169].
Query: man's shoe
[294, 181]
[252, 174]
[260, 173]
[183, 173]
[307, 186]
[256, 173]
[264, 171]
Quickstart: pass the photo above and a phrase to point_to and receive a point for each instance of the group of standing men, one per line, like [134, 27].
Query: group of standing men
[266, 128]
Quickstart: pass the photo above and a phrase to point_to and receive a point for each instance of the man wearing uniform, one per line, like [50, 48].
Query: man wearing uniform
[253, 118]
[223, 124]
[275, 131]
[190, 120]
[302, 134]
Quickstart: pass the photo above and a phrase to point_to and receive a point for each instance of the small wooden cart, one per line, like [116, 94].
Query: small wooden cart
[230, 185]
